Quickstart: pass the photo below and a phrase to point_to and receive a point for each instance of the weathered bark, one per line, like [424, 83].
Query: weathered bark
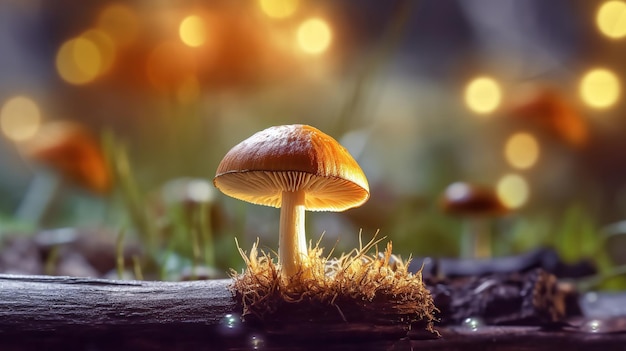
[42, 303]
[81, 310]
[85, 312]
[40, 312]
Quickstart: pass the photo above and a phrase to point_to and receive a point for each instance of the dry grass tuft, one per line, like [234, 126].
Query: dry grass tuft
[358, 287]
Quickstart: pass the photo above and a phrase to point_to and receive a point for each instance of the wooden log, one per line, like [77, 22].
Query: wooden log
[66, 312]
[88, 310]
[42, 303]
[41, 312]
[81, 311]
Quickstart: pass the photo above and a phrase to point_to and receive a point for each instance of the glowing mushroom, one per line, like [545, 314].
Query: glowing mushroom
[73, 155]
[297, 168]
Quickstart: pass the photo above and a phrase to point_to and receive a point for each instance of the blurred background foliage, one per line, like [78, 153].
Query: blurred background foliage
[523, 97]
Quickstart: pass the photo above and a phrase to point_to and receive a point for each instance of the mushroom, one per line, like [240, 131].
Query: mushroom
[71, 153]
[297, 168]
[191, 204]
[476, 203]
[547, 108]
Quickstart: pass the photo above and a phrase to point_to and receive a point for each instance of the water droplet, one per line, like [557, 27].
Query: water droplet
[256, 342]
[231, 320]
[231, 325]
[604, 325]
[473, 323]
[592, 326]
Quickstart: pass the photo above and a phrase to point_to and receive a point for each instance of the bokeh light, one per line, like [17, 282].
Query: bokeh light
[78, 61]
[513, 191]
[192, 31]
[521, 150]
[599, 88]
[314, 36]
[120, 22]
[175, 77]
[279, 8]
[611, 19]
[20, 118]
[105, 45]
[483, 95]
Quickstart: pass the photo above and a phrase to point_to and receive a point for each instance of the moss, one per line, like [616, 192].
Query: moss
[363, 286]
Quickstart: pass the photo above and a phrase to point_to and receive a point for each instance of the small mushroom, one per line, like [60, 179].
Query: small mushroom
[547, 108]
[192, 203]
[476, 204]
[297, 168]
[70, 153]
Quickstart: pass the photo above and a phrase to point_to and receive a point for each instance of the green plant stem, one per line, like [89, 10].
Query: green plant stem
[40, 195]
[137, 268]
[206, 233]
[119, 251]
[195, 252]
[129, 190]
[50, 266]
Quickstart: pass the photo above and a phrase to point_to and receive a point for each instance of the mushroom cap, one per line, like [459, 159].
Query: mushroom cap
[188, 190]
[73, 151]
[466, 199]
[547, 108]
[290, 158]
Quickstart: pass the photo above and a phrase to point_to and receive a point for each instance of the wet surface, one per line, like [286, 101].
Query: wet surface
[603, 304]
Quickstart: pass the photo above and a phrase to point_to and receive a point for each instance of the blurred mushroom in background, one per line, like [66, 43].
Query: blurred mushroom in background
[476, 204]
[189, 207]
[61, 152]
[547, 109]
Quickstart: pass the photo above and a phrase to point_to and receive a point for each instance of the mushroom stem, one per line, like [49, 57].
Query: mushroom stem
[476, 242]
[292, 241]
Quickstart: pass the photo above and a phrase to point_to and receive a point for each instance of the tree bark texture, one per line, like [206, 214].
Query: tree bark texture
[81, 311]
[41, 303]
[41, 312]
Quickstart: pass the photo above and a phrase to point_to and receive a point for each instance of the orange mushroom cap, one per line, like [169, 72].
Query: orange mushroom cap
[73, 151]
[550, 110]
[291, 158]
